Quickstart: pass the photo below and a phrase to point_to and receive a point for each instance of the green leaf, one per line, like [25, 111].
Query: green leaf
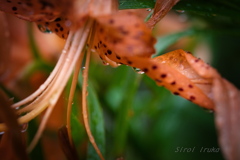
[136, 4]
[164, 42]
[78, 130]
[37, 152]
[211, 10]
[122, 123]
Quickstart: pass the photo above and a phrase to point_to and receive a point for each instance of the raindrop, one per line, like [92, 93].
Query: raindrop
[44, 29]
[24, 127]
[137, 70]
[83, 68]
[180, 11]
[105, 63]
[149, 9]
[208, 110]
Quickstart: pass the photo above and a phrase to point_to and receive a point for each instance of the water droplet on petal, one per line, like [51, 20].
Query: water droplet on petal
[180, 11]
[208, 110]
[44, 29]
[149, 9]
[24, 127]
[137, 70]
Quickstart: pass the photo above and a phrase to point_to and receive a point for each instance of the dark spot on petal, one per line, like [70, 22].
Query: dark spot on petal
[163, 75]
[63, 36]
[188, 52]
[109, 52]
[190, 86]
[58, 25]
[129, 62]
[47, 23]
[100, 42]
[145, 70]
[105, 54]
[61, 29]
[14, 8]
[104, 45]
[173, 83]
[95, 47]
[118, 57]
[154, 67]
[175, 93]
[192, 98]
[197, 60]
[58, 19]
[111, 21]
[180, 89]
[56, 30]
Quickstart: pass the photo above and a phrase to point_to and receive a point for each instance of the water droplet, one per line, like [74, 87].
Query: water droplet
[180, 11]
[149, 9]
[1, 133]
[208, 110]
[105, 63]
[83, 68]
[24, 127]
[137, 70]
[44, 29]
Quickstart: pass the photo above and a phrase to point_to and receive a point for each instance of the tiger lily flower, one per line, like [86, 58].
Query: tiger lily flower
[118, 38]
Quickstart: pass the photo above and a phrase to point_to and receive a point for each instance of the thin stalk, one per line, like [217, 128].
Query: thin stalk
[71, 96]
[84, 107]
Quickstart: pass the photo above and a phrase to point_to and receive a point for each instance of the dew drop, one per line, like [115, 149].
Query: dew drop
[44, 29]
[149, 9]
[24, 127]
[180, 11]
[137, 70]
[208, 110]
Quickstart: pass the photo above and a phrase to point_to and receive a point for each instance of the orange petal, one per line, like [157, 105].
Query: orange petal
[124, 34]
[36, 10]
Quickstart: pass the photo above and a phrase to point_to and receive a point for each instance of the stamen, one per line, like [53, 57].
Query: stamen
[59, 81]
